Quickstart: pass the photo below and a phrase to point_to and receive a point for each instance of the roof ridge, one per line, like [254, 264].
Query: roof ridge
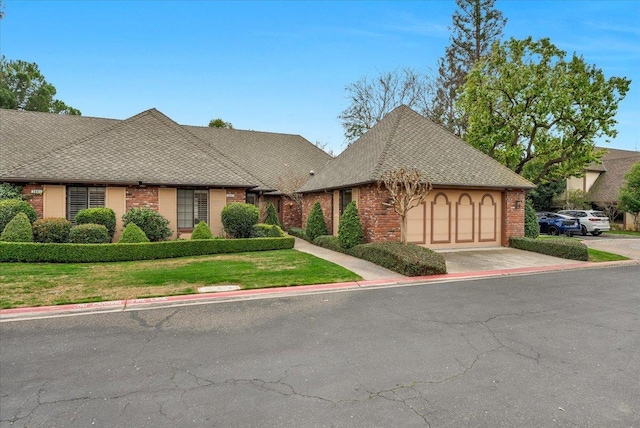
[242, 130]
[215, 149]
[402, 109]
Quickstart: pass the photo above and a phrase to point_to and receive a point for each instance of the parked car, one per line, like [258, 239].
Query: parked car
[555, 224]
[591, 221]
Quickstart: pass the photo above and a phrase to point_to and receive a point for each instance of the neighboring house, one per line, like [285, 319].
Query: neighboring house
[602, 181]
[187, 173]
[475, 200]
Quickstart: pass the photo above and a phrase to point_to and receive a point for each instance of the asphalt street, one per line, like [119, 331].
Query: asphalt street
[554, 349]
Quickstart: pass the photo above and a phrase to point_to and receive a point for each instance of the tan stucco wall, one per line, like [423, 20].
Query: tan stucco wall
[575, 183]
[168, 207]
[590, 178]
[54, 201]
[217, 201]
[583, 183]
[116, 199]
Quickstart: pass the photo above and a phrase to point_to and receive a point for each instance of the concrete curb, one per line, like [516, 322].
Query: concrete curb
[24, 314]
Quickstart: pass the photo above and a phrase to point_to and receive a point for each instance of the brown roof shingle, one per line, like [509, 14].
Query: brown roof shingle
[404, 138]
[616, 163]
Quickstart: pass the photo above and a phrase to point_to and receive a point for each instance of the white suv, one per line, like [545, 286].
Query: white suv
[593, 222]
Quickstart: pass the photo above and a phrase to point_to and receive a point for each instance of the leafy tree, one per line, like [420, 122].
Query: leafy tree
[544, 195]
[372, 99]
[23, 87]
[577, 199]
[9, 208]
[407, 189]
[272, 215]
[629, 199]
[531, 224]
[476, 25]
[10, 191]
[350, 231]
[316, 226]
[219, 123]
[537, 112]
[152, 223]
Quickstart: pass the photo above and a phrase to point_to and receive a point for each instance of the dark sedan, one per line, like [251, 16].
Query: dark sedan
[555, 224]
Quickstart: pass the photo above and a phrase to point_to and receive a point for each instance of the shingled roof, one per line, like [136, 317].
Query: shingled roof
[147, 148]
[615, 165]
[270, 157]
[406, 139]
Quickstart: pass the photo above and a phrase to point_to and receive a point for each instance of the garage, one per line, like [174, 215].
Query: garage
[457, 218]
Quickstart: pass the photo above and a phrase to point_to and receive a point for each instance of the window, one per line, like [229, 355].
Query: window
[345, 199]
[80, 198]
[193, 207]
[251, 198]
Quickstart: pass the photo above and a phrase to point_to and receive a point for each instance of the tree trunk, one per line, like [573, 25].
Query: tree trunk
[403, 229]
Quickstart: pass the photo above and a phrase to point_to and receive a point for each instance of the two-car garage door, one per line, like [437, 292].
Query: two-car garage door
[457, 218]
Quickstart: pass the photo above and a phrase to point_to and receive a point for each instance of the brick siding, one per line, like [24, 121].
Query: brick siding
[380, 223]
[35, 200]
[236, 195]
[326, 203]
[142, 197]
[291, 214]
[513, 217]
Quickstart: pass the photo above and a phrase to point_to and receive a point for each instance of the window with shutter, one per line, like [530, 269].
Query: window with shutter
[193, 207]
[80, 198]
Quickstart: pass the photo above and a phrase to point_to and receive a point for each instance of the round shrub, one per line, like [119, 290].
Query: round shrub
[89, 233]
[18, 229]
[103, 216]
[316, 225]
[10, 207]
[350, 231]
[238, 219]
[202, 231]
[275, 232]
[132, 234]
[152, 223]
[48, 230]
[272, 215]
[531, 225]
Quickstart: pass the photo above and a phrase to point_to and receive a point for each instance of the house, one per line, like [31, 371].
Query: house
[187, 173]
[475, 200]
[602, 181]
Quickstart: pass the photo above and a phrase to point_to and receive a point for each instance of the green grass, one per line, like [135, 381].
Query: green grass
[603, 256]
[622, 232]
[25, 284]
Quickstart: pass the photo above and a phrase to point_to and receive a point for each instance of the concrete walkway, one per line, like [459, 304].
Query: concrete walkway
[367, 270]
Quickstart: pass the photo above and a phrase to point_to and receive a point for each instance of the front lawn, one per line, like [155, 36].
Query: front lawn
[603, 256]
[623, 232]
[43, 284]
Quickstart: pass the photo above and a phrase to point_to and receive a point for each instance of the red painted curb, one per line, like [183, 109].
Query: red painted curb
[121, 305]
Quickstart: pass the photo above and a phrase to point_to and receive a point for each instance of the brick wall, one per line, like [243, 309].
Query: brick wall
[236, 195]
[142, 197]
[326, 203]
[291, 214]
[36, 201]
[380, 223]
[513, 217]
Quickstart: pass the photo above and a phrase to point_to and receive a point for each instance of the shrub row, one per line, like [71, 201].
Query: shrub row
[560, 247]
[298, 233]
[409, 259]
[90, 253]
[329, 242]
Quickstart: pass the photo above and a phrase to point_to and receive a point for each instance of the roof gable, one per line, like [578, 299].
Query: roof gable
[121, 153]
[404, 138]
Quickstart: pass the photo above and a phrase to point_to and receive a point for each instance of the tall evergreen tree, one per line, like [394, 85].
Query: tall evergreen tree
[476, 25]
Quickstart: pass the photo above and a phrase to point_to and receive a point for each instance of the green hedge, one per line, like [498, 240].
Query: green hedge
[298, 233]
[565, 248]
[329, 242]
[91, 253]
[409, 260]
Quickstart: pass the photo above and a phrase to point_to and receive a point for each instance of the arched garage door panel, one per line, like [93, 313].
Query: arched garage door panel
[457, 218]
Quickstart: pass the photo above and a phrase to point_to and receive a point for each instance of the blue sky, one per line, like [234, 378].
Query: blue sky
[282, 66]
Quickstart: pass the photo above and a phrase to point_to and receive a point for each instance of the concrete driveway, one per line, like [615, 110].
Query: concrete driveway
[617, 244]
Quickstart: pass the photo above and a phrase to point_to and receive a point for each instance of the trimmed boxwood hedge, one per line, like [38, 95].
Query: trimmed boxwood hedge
[329, 242]
[409, 259]
[92, 253]
[565, 248]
